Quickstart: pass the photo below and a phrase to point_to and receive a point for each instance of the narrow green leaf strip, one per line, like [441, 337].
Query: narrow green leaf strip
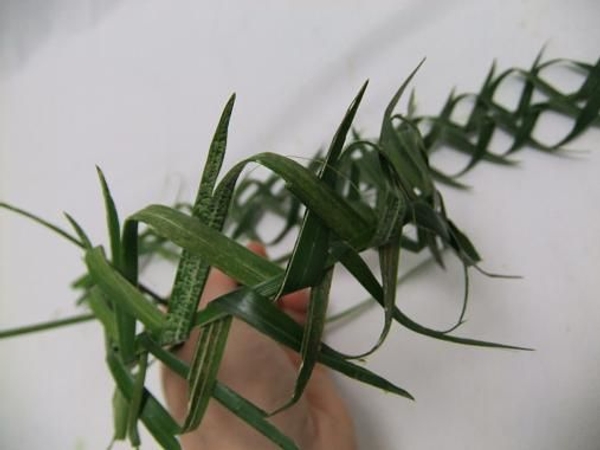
[203, 373]
[218, 250]
[121, 292]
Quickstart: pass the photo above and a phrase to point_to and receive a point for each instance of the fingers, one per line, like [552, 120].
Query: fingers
[258, 248]
[321, 391]
[296, 305]
[175, 387]
[217, 284]
[264, 373]
[244, 343]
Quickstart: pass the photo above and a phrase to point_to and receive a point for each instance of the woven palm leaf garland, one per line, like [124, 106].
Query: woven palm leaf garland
[362, 194]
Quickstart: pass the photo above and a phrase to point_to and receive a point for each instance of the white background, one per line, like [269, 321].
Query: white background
[137, 87]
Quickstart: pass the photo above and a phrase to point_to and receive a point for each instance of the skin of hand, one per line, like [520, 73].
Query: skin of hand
[264, 372]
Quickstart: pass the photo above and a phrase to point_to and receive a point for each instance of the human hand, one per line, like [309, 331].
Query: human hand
[263, 372]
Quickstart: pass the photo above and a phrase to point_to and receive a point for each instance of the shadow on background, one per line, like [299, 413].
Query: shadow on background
[25, 25]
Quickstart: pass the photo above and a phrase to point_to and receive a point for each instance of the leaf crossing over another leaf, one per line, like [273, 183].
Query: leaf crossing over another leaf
[220, 251]
[365, 194]
[203, 374]
[157, 420]
[346, 221]
[400, 146]
[193, 270]
[242, 408]
[136, 400]
[121, 292]
[259, 312]
[86, 243]
[306, 266]
[519, 124]
[125, 320]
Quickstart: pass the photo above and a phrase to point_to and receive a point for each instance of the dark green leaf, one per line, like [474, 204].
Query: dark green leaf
[45, 326]
[218, 250]
[245, 410]
[205, 365]
[112, 219]
[121, 292]
[136, 400]
[260, 313]
[83, 238]
[156, 419]
[193, 269]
